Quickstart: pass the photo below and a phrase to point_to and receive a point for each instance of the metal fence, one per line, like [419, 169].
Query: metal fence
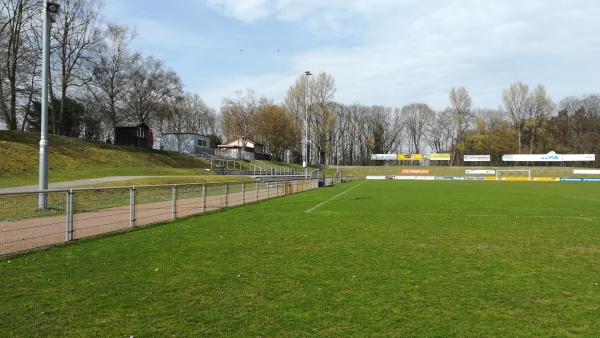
[79, 213]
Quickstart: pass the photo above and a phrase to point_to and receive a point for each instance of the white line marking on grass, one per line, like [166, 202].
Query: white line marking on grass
[334, 197]
[583, 218]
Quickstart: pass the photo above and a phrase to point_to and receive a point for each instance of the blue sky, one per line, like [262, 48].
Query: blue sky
[380, 52]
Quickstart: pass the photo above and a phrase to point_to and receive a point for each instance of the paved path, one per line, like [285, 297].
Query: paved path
[72, 184]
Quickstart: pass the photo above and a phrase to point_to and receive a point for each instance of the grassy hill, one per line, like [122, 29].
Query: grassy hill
[71, 159]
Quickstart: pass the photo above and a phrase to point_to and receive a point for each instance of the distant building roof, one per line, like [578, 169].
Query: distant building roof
[126, 124]
[237, 141]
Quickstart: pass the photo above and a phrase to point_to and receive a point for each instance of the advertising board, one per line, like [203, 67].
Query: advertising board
[439, 157]
[416, 171]
[409, 157]
[569, 179]
[480, 172]
[477, 158]
[546, 179]
[550, 157]
[586, 172]
[383, 157]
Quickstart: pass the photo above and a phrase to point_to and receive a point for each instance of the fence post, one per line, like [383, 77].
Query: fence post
[132, 207]
[268, 189]
[69, 234]
[203, 199]
[256, 191]
[243, 193]
[226, 194]
[277, 188]
[173, 202]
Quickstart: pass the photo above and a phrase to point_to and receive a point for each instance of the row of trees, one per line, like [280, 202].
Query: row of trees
[528, 122]
[96, 79]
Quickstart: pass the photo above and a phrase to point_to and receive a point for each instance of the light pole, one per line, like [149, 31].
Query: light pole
[305, 139]
[48, 10]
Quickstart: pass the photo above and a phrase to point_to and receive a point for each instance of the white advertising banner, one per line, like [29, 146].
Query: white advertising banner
[477, 158]
[376, 177]
[586, 172]
[439, 157]
[384, 157]
[579, 157]
[550, 157]
[480, 172]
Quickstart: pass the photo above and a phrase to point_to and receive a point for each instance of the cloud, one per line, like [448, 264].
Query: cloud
[395, 52]
[246, 10]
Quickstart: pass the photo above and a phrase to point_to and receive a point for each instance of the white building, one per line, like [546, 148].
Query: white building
[242, 149]
[188, 143]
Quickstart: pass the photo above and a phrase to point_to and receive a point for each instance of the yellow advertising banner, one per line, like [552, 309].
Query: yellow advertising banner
[439, 157]
[547, 179]
[515, 179]
[410, 157]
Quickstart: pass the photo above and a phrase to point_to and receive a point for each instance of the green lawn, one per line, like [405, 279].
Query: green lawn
[378, 258]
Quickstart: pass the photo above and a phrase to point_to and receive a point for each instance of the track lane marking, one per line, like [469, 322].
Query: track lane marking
[334, 197]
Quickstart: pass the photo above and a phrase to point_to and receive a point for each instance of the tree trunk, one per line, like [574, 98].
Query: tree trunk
[63, 96]
[532, 141]
[12, 122]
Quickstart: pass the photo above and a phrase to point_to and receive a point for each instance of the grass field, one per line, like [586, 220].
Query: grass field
[383, 258]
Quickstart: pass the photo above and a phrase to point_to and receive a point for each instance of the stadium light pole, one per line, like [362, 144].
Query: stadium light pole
[305, 138]
[48, 10]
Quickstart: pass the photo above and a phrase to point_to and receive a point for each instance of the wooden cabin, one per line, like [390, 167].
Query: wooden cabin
[133, 134]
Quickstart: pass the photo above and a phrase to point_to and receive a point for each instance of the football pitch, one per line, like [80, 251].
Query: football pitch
[383, 258]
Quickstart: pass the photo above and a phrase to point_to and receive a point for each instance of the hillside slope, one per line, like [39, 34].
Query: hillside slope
[71, 158]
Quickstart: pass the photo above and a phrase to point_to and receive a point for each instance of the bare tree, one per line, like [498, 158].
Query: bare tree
[238, 115]
[15, 58]
[460, 110]
[416, 118]
[74, 38]
[539, 108]
[152, 86]
[110, 82]
[187, 113]
[439, 132]
[200, 117]
[516, 101]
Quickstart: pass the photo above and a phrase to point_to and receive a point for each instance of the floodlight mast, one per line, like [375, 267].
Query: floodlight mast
[305, 138]
[48, 10]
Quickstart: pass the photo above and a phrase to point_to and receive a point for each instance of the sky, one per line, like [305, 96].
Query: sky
[380, 52]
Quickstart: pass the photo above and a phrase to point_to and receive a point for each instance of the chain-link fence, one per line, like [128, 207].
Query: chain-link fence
[78, 213]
